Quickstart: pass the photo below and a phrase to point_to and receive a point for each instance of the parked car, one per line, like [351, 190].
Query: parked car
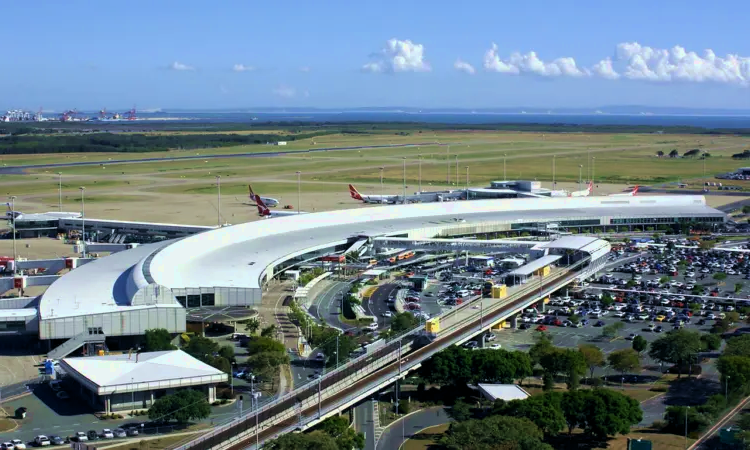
[92, 435]
[107, 434]
[41, 441]
[80, 436]
[119, 433]
[18, 444]
[57, 440]
[62, 395]
[6, 446]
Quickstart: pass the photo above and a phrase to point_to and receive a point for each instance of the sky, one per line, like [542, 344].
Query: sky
[338, 54]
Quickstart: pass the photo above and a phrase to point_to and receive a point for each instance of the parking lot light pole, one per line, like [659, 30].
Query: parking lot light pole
[83, 219]
[381, 181]
[554, 158]
[448, 165]
[59, 190]
[218, 201]
[580, 176]
[505, 175]
[404, 185]
[319, 396]
[13, 218]
[457, 181]
[420, 172]
[337, 351]
[299, 192]
[467, 182]
[593, 172]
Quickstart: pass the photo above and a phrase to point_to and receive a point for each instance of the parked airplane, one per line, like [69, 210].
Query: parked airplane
[10, 214]
[267, 200]
[584, 193]
[263, 210]
[382, 199]
[627, 194]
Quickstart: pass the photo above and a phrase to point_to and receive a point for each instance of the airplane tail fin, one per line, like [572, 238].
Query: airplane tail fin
[591, 186]
[353, 193]
[250, 192]
[262, 208]
[635, 191]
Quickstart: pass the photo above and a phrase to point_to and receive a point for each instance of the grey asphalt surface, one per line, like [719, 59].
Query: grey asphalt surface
[327, 305]
[377, 305]
[364, 423]
[20, 169]
[399, 431]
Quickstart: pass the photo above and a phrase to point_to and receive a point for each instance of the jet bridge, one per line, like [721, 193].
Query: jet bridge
[457, 245]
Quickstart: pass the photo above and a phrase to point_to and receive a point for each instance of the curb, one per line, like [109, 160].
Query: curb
[417, 432]
[403, 418]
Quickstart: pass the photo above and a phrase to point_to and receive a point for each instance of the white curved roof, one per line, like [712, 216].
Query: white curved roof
[237, 256]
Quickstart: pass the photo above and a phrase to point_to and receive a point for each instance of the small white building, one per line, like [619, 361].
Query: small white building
[134, 381]
[281, 143]
[505, 392]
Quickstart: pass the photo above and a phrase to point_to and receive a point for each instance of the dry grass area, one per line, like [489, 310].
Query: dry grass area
[426, 439]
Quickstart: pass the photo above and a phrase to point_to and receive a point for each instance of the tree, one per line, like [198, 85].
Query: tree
[338, 428]
[572, 406]
[674, 153]
[403, 321]
[735, 372]
[677, 347]
[720, 276]
[158, 340]
[738, 287]
[640, 344]
[710, 342]
[494, 432]
[593, 357]
[499, 366]
[183, 406]
[675, 418]
[460, 410]
[542, 346]
[660, 153]
[263, 344]
[315, 440]
[625, 360]
[612, 330]
[607, 413]
[606, 299]
[565, 361]
[451, 366]
[201, 348]
[269, 331]
[252, 325]
[343, 347]
[738, 346]
[746, 209]
[723, 325]
[227, 352]
[543, 410]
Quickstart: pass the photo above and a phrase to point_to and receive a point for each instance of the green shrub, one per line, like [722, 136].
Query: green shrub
[404, 406]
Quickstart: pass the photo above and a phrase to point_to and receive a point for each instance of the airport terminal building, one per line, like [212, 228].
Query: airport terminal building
[151, 285]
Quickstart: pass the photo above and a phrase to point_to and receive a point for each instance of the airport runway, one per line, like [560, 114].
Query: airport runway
[8, 170]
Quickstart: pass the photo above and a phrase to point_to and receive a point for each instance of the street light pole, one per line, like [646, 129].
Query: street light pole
[505, 175]
[687, 408]
[448, 165]
[593, 172]
[404, 185]
[554, 158]
[59, 190]
[420, 172]
[457, 180]
[467, 182]
[218, 201]
[83, 219]
[580, 175]
[381, 181]
[299, 192]
[726, 388]
[13, 219]
[337, 351]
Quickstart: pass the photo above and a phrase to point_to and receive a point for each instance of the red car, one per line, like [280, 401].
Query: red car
[541, 328]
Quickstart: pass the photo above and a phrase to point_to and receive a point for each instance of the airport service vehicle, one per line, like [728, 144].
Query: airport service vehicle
[267, 200]
[382, 199]
[263, 210]
[626, 194]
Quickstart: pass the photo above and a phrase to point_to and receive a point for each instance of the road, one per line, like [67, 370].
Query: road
[395, 435]
[378, 303]
[21, 168]
[327, 305]
[364, 423]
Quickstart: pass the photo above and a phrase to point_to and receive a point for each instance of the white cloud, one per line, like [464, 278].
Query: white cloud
[242, 68]
[398, 56]
[180, 66]
[304, 69]
[464, 67]
[604, 69]
[529, 63]
[637, 62]
[285, 91]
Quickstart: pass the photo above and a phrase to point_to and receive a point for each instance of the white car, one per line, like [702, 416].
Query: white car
[107, 434]
[495, 346]
[6, 446]
[80, 436]
[620, 314]
[19, 444]
[42, 441]
[387, 314]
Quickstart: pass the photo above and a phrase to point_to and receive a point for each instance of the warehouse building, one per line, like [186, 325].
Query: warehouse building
[134, 381]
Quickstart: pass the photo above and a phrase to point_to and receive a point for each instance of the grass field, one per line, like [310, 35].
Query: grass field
[184, 191]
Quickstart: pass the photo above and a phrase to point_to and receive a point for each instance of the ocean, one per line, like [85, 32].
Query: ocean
[704, 121]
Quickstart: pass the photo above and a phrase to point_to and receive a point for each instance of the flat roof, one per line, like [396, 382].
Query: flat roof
[7, 315]
[141, 372]
[237, 256]
[374, 272]
[533, 266]
[505, 392]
